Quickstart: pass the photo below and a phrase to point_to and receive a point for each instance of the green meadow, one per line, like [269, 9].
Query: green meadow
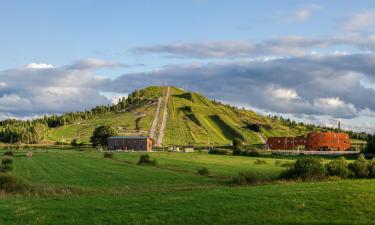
[98, 190]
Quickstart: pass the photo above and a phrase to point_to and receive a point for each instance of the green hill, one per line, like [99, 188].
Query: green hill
[191, 119]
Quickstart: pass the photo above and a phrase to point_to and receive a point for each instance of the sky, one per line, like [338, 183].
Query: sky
[312, 61]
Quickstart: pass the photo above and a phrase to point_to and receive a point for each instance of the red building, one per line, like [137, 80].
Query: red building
[130, 143]
[328, 141]
[318, 141]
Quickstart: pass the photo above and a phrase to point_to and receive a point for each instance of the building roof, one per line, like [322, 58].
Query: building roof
[128, 138]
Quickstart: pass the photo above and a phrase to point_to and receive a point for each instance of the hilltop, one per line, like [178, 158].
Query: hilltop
[191, 119]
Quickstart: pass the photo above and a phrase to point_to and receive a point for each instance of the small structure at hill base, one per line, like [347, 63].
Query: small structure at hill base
[29, 154]
[317, 141]
[130, 143]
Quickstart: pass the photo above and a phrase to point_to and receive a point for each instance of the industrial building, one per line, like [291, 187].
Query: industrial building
[317, 141]
[130, 143]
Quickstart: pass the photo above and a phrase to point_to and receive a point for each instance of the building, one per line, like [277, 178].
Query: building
[286, 143]
[328, 141]
[318, 141]
[130, 143]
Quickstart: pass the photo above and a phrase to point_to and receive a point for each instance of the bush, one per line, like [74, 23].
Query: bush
[11, 184]
[252, 153]
[6, 161]
[203, 171]
[8, 153]
[260, 162]
[248, 177]
[359, 167]
[237, 146]
[218, 152]
[338, 167]
[146, 160]
[108, 155]
[305, 169]
[4, 168]
[371, 168]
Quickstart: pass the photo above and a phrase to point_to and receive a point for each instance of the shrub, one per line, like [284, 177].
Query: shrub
[108, 155]
[338, 167]
[8, 153]
[237, 146]
[359, 167]
[251, 153]
[218, 152]
[371, 168]
[287, 164]
[6, 161]
[11, 184]
[248, 177]
[260, 162]
[146, 160]
[305, 169]
[4, 168]
[203, 171]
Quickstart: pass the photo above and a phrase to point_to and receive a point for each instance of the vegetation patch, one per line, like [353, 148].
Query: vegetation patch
[305, 169]
[217, 151]
[260, 162]
[338, 167]
[203, 171]
[108, 155]
[247, 177]
[8, 153]
[146, 160]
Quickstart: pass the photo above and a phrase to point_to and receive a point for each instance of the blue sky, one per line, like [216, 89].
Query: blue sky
[272, 56]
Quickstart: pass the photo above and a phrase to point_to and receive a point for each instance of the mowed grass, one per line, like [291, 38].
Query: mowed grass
[117, 191]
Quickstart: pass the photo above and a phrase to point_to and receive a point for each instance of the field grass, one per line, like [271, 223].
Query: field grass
[117, 191]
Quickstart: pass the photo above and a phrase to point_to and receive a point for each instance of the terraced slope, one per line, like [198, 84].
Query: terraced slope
[192, 119]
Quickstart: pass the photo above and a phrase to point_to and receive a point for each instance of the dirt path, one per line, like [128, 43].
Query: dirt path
[155, 121]
[164, 120]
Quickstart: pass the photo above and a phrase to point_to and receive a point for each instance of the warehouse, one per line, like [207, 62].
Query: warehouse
[130, 143]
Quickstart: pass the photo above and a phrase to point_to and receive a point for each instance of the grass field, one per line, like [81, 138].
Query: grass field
[117, 191]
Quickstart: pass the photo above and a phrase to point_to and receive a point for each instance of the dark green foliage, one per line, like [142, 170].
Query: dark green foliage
[203, 171]
[10, 184]
[217, 151]
[370, 145]
[371, 168]
[4, 168]
[260, 162]
[108, 155]
[237, 146]
[146, 160]
[8, 153]
[248, 177]
[359, 167]
[251, 153]
[338, 167]
[5, 161]
[101, 135]
[305, 169]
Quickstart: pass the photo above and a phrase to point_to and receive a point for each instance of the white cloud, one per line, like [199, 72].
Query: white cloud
[329, 102]
[39, 66]
[42, 89]
[301, 14]
[361, 22]
[283, 93]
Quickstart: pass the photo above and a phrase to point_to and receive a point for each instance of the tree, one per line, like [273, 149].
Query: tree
[101, 134]
[370, 146]
[237, 146]
[74, 143]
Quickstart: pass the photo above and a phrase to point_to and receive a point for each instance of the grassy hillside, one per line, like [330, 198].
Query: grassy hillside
[117, 191]
[192, 119]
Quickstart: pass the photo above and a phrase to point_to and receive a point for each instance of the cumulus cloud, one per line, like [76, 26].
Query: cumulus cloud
[360, 22]
[39, 66]
[300, 15]
[279, 46]
[40, 89]
[85, 64]
[310, 85]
